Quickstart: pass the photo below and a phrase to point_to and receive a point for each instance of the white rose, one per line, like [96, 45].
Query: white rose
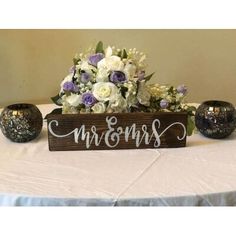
[143, 95]
[99, 107]
[118, 104]
[111, 63]
[104, 91]
[73, 100]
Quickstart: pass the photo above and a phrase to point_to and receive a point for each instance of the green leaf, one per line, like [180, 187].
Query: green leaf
[124, 54]
[123, 91]
[190, 125]
[76, 60]
[67, 93]
[99, 47]
[57, 100]
[119, 54]
[147, 78]
[191, 109]
[171, 89]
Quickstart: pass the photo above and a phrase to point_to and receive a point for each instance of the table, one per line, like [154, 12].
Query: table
[203, 173]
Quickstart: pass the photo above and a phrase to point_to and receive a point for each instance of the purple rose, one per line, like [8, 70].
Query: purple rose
[117, 77]
[88, 99]
[164, 103]
[70, 86]
[141, 75]
[85, 77]
[182, 89]
[95, 58]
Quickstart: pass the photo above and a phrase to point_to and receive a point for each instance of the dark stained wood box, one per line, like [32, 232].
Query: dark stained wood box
[116, 131]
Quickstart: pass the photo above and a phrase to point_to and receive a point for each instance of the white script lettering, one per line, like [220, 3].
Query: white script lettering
[112, 136]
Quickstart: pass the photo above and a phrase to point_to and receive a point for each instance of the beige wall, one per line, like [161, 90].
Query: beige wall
[33, 62]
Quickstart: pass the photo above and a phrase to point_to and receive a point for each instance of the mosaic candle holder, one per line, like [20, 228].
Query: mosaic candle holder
[21, 122]
[216, 119]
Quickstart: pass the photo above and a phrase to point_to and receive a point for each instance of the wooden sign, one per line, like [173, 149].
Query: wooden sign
[116, 131]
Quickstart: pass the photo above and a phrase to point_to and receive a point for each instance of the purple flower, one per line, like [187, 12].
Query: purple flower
[182, 89]
[88, 99]
[164, 103]
[95, 58]
[70, 86]
[141, 75]
[85, 77]
[72, 69]
[117, 77]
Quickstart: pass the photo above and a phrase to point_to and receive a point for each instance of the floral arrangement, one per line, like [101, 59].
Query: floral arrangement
[112, 80]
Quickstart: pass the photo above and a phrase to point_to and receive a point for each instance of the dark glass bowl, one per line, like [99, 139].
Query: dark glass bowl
[21, 122]
[216, 119]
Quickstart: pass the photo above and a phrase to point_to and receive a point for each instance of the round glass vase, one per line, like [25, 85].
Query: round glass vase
[21, 122]
[215, 119]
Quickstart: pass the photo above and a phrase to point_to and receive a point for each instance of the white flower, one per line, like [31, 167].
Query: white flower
[66, 109]
[99, 107]
[169, 98]
[142, 58]
[157, 90]
[104, 91]
[86, 66]
[130, 70]
[73, 99]
[108, 64]
[179, 97]
[111, 63]
[108, 51]
[118, 104]
[102, 75]
[131, 93]
[143, 95]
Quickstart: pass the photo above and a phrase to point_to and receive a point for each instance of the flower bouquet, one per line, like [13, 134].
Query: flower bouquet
[114, 81]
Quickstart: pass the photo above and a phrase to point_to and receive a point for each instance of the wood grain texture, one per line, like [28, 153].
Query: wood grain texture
[67, 123]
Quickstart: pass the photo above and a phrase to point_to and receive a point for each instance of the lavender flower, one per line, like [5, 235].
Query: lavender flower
[88, 99]
[70, 86]
[95, 58]
[117, 77]
[164, 103]
[85, 77]
[182, 89]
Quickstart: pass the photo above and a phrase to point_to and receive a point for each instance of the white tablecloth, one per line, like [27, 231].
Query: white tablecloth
[203, 173]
